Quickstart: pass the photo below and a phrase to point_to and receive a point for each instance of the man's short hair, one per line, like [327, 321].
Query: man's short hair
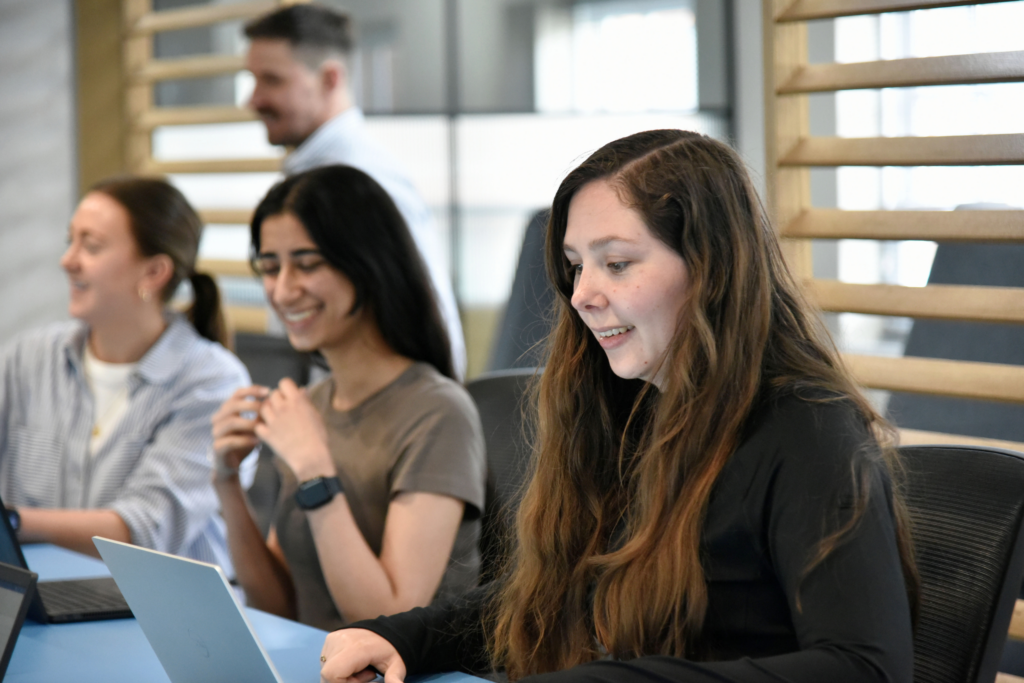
[313, 31]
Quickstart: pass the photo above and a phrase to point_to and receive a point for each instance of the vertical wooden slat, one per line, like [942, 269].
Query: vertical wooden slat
[138, 51]
[100, 93]
[786, 121]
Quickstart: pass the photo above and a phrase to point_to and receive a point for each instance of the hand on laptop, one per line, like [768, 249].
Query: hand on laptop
[357, 655]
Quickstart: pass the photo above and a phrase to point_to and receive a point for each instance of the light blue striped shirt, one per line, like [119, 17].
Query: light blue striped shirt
[153, 470]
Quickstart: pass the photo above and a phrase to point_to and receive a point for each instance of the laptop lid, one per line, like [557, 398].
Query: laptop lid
[189, 614]
[17, 588]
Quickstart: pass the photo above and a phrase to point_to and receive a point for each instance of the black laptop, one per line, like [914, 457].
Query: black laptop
[59, 602]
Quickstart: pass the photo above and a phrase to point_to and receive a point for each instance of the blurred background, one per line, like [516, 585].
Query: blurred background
[488, 104]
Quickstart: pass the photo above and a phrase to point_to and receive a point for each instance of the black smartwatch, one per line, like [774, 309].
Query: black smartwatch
[317, 492]
[14, 518]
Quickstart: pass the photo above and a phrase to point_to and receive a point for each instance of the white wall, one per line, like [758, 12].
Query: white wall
[37, 176]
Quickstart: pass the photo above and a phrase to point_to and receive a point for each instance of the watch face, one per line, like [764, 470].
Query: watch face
[317, 492]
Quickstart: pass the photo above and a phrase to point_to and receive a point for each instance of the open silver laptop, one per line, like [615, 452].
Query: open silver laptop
[190, 616]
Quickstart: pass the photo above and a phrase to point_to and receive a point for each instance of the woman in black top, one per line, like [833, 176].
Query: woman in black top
[711, 497]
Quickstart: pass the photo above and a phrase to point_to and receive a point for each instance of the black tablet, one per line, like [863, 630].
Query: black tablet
[17, 586]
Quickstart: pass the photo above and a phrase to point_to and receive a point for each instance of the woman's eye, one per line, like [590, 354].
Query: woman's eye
[618, 266]
[267, 267]
[309, 266]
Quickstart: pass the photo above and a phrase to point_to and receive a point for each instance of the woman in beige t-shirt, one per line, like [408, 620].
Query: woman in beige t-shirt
[382, 463]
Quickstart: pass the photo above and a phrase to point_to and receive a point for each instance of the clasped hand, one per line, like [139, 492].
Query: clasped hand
[356, 655]
[283, 418]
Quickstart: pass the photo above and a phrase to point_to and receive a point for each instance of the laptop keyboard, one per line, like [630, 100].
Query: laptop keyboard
[82, 597]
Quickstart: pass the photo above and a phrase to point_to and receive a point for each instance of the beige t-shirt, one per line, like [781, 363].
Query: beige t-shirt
[420, 433]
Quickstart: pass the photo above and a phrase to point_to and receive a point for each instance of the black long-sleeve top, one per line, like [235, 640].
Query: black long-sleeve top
[785, 487]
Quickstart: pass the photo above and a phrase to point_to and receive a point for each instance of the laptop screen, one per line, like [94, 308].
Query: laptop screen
[10, 551]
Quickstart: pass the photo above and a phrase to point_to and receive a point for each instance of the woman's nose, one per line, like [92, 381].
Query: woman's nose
[282, 288]
[68, 259]
[586, 293]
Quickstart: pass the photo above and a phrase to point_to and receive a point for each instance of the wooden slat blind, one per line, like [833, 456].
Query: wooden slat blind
[939, 226]
[803, 10]
[792, 150]
[996, 67]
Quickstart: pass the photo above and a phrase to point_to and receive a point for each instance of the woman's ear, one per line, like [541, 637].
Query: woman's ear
[157, 272]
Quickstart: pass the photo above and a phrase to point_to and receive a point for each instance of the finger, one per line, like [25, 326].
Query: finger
[235, 406]
[365, 675]
[288, 387]
[233, 425]
[237, 446]
[395, 673]
[255, 391]
[262, 431]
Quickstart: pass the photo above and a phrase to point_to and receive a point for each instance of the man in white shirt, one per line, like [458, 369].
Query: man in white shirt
[299, 57]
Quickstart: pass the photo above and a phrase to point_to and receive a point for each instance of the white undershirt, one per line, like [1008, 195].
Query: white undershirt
[109, 385]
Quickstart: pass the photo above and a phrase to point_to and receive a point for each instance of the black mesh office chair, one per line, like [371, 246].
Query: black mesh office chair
[967, 508]
[526, 320]
[499, 397]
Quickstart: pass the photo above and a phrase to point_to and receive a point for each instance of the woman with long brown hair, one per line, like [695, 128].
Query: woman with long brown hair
[711, 498]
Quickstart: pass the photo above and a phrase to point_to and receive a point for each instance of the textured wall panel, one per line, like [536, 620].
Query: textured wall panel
[37, 176]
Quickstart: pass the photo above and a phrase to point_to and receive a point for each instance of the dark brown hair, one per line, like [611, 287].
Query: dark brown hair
[163, 222]
[613, 455]
[314, 32]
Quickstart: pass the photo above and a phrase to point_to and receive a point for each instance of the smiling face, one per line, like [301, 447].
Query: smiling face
[629, 287]
[102, 261]
[291, 99]
[313, 299]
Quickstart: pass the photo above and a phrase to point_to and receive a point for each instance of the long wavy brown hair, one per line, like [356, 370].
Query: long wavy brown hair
[606, 555]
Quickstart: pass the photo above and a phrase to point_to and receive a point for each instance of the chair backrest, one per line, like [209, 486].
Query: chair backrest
[499, 398]
[525, 322]
[966, 506]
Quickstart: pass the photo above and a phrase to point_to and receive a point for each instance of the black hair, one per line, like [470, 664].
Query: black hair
[360, 232]
[163, 222]
[306, 27]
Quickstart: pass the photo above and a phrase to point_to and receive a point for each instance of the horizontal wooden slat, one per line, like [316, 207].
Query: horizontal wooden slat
[986, 381]
[942, 302]
[940, 226]
[226, 216]
[188, 67]
[956, 150]
[262, 165]
[247, 318]
[225, 267]
[184, 116]
[993, 67]
[802, 10]
[190, 17]
[1017, 622]
[917, 437]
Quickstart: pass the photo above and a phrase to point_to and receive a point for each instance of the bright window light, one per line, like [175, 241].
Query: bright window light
[616, 57]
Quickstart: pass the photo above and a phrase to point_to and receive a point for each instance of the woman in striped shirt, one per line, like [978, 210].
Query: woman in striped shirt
[104, 420]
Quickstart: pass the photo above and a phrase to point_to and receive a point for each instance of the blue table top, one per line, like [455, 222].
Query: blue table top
[116, 650]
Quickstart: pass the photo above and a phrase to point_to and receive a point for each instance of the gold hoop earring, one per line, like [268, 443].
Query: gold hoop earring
[144, 295]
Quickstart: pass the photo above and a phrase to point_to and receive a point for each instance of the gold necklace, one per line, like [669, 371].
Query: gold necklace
[122, 392]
